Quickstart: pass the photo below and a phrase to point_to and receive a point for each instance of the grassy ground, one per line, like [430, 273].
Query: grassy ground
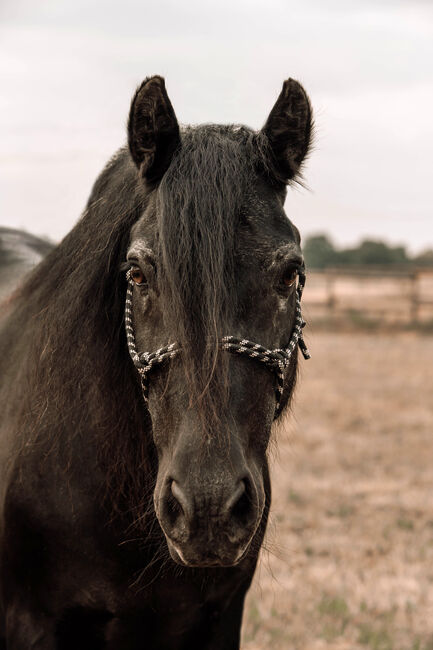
[349, 564]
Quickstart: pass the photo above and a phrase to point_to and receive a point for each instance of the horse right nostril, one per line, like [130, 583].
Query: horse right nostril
[174, 504]
[180, 497]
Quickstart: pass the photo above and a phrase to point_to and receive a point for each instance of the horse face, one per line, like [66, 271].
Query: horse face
[210, 492]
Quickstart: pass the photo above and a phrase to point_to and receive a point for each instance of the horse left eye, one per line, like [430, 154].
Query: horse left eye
[289, 277]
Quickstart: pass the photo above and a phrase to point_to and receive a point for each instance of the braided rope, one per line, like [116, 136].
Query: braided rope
[277, 360]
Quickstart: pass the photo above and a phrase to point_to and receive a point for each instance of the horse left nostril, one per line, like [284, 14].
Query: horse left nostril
[240, 506]
[234, 498]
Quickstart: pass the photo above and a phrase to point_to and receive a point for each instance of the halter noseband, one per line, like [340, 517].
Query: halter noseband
[277, 360]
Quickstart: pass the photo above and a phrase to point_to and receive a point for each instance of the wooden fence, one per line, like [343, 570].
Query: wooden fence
[362, 294]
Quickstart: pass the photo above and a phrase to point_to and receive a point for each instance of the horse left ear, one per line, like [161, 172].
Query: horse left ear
[153, 130]
[288, 130]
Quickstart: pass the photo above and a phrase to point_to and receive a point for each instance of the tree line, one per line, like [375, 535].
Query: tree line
[320, 252]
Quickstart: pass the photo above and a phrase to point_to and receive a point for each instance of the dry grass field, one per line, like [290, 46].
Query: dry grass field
[349, 564]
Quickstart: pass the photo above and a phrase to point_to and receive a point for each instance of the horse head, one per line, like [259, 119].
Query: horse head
[214, 259]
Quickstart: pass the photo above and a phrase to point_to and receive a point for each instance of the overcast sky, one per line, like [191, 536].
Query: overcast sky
[68, 70]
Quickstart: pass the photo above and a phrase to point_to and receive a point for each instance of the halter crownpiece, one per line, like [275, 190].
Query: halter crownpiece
[277, 360]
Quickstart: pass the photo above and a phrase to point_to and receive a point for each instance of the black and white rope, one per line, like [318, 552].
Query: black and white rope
[277, 360]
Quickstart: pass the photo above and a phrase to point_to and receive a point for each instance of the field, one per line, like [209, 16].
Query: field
[348, 563]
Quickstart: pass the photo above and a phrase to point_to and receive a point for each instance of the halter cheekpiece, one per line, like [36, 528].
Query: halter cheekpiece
[277, 360]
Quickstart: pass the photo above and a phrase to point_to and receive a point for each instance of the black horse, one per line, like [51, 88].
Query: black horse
[134, 523]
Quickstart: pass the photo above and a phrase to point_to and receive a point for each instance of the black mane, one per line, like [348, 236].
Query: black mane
[72, 305]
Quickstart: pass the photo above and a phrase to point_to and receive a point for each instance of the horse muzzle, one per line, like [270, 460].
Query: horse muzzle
[211, 523]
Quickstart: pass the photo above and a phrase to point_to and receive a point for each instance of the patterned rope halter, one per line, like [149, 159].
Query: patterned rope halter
[277, 360]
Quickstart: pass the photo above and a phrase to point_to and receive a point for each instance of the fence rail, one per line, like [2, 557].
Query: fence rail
[395, 295]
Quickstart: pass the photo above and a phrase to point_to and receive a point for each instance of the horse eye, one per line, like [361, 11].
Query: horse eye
[289, 277]
[137, 275]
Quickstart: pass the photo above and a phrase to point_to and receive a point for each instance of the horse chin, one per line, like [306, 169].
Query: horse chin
[202, 560]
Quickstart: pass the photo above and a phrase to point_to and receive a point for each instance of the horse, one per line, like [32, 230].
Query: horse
[135, 487]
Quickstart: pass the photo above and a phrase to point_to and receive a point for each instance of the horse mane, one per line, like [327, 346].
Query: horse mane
[76, 375]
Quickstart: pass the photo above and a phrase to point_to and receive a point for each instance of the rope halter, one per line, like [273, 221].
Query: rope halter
[277, 360]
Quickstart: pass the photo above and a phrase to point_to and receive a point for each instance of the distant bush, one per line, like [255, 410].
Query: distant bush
[320, 253]
[425, 258]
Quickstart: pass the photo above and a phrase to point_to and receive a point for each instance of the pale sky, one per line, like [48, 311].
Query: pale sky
[68, 69]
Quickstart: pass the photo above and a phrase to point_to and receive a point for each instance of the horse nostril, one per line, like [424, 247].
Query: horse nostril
[179, 496]
[236, 496]
[240, 505]
[173, 504]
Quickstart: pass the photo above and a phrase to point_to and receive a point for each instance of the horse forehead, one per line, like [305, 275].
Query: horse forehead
[261, 211]
[266, 227]
[253, 241]
[143, 232]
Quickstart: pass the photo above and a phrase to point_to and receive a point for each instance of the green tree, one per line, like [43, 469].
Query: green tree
[373, 252]
[425, 258]
[319, 252]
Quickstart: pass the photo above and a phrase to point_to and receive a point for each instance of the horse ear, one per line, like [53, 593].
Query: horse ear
[288, 130]
[153, 130]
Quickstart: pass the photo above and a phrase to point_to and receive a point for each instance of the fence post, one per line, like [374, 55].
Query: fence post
[414, 301]
[330, 300]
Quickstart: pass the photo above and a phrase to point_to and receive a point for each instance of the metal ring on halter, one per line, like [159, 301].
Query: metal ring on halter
[277, 360]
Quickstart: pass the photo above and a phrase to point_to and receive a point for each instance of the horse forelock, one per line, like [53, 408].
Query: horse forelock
[200, 203]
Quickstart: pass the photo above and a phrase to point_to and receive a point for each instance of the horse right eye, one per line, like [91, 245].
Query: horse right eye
[138, 276]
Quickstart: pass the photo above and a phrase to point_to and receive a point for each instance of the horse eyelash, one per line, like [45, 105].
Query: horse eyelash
[290, 268]
[125, 266]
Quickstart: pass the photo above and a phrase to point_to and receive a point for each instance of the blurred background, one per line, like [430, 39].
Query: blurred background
[348, 562]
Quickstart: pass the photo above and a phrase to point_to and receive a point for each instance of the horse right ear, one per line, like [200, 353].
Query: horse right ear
[153, 130]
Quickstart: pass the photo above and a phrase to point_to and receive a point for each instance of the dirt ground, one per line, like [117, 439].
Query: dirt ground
[349, 559]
